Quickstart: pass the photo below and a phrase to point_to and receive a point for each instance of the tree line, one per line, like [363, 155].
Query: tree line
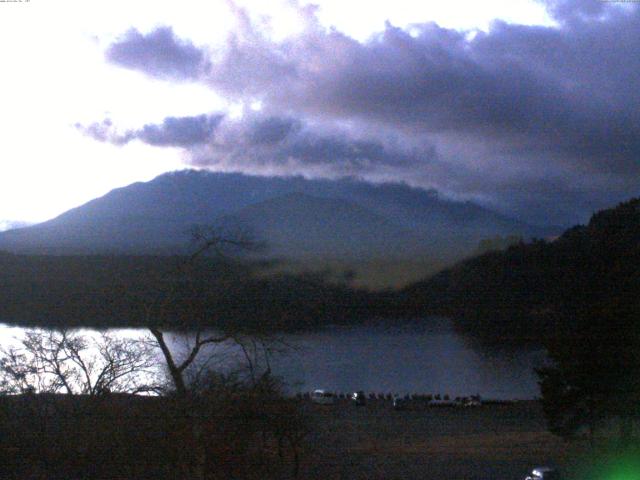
[128, 291]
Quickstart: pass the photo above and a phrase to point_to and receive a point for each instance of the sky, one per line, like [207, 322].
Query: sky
[528, 107]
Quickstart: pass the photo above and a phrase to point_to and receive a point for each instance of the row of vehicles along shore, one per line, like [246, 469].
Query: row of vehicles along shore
[359, 398]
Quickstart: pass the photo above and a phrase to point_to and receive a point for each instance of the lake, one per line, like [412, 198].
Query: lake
[407, 359]
[420, 358]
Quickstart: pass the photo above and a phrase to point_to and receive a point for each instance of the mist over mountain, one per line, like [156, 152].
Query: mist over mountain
[295, 217]
[12, 224]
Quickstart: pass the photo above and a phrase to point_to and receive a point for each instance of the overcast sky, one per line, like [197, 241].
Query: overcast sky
[531, 107]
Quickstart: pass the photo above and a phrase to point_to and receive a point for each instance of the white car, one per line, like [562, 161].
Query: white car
[322, 397]
[543, 473]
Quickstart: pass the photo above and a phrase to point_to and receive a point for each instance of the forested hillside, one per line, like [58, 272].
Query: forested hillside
[125, 291]
[537, 290]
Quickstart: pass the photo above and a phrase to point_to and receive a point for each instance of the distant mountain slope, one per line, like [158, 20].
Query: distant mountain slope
[156, 216]
[297, 225]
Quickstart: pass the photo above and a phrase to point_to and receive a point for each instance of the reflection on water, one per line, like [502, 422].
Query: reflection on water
[398, 359]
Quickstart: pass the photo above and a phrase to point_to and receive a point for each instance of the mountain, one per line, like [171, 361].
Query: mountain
[295, 216]
[298, 224]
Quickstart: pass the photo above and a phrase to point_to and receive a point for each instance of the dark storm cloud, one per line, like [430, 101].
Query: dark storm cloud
[172, 132]
[180, 132]
[570, 89]
[272, 129]
[522, 100]
[159, 54]
[256, 141]
[526, 88]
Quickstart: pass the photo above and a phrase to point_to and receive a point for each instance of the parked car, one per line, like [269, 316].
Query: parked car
[359, 399]
[473, 401]
[322, 397]
[543, 473]
[400, 403]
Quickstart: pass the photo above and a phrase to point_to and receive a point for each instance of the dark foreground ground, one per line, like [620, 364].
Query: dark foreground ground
[249, 436]
[498, 442]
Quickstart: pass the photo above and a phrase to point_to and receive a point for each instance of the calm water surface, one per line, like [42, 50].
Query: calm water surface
[408, 359]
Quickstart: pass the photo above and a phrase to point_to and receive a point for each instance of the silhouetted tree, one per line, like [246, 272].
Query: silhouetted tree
[49, 361]
[199, 342]
[225, 414]
[595, 370]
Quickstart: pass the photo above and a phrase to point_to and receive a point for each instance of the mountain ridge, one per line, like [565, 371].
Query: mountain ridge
[156, 216]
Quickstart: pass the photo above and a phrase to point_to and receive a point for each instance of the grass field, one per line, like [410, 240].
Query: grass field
[498, 442]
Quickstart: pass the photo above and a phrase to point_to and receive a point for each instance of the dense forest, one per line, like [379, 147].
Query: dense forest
[126, 291]
[541, 290]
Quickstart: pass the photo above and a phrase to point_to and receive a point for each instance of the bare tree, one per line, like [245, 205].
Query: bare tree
[48, 361]
[219, 242]
[198, 361]
[223, 241]
[177, 367]
[258, 348]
